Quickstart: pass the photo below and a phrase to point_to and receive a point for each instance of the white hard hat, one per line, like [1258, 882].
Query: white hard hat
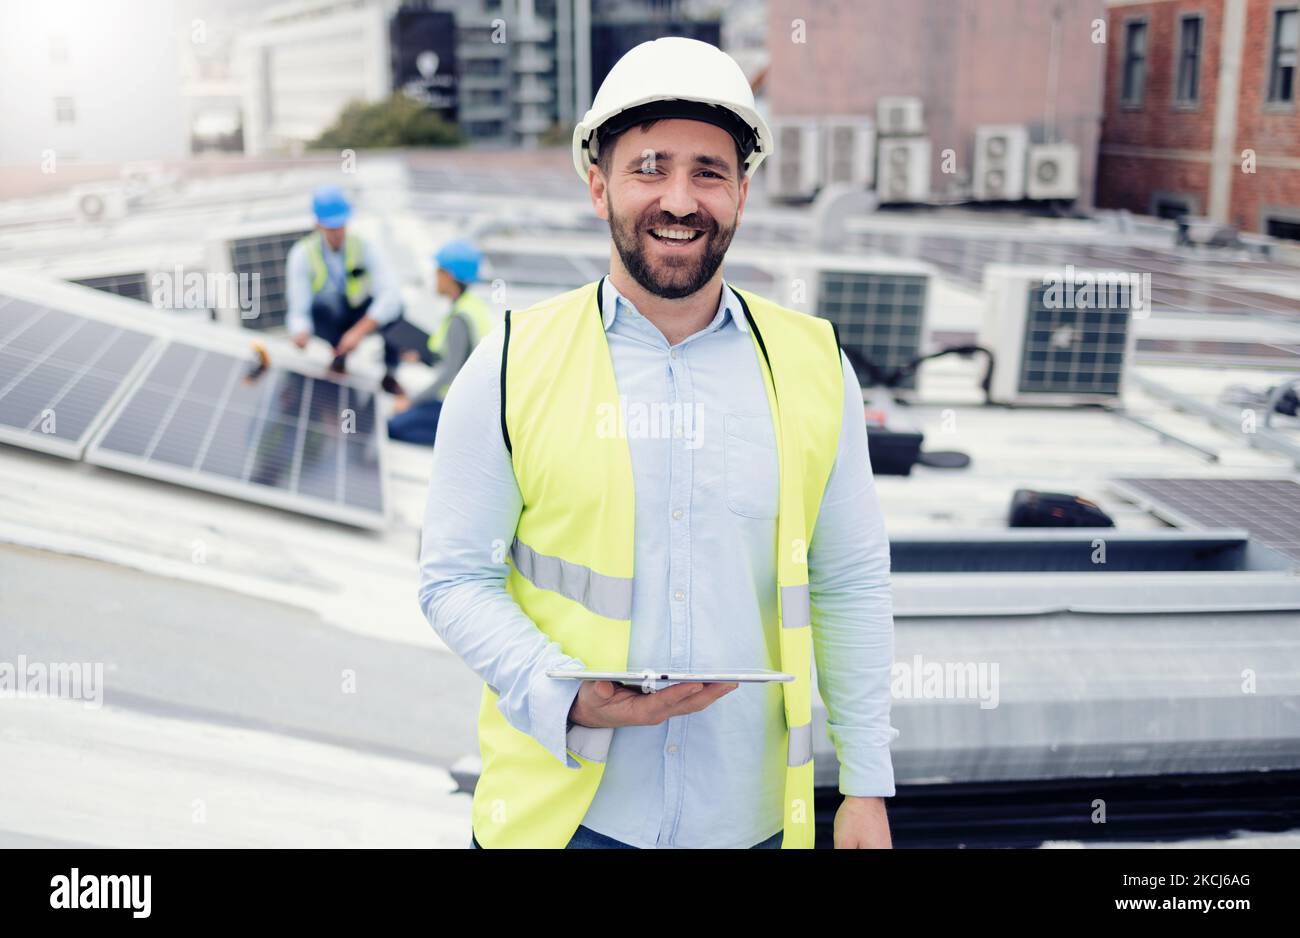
[674, 77]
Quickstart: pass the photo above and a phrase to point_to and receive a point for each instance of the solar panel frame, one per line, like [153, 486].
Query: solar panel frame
[121, 380]
[210, 414]
[265, 255]
[1210, 503]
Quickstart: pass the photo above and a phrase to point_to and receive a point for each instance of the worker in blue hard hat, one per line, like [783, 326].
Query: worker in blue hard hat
[468, 321]
[340, 288]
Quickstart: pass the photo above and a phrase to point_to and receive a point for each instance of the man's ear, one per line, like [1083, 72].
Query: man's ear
[597, 188]
[744, 194]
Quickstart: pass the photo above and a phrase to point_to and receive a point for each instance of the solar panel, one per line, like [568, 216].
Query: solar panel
[1268, 508]
[59, 372]
[305, 444]
[1072, 351]
[559, 270]
[879, 316]
[265, 255]
[133, 286]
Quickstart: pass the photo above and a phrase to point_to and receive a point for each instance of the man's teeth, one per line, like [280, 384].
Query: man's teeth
[676, 234]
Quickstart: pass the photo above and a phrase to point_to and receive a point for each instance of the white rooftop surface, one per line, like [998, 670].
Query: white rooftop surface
[134, 778]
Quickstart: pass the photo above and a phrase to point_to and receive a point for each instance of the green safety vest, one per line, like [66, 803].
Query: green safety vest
[477, 317]
[357, 283]
[570, 563]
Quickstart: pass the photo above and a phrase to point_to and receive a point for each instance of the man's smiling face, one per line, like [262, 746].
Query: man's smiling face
[673, 197]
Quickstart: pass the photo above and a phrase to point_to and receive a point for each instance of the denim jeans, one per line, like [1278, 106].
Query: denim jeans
[418, 424]
[331, 317]
[585, 837]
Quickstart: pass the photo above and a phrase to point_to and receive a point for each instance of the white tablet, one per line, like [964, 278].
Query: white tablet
[651, 680]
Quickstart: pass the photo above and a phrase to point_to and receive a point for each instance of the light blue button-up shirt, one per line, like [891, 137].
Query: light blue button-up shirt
[384, 308]
[704, 592]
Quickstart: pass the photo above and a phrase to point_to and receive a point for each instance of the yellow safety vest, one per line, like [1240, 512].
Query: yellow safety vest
[477, 317]
[357, 283]
[571, 559]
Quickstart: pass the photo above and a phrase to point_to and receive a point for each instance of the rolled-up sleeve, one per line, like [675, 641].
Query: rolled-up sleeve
[852, 608]
[297, 290]
[387, 303]
[472, 511]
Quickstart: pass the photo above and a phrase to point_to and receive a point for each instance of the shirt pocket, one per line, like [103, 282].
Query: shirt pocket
[751, 476]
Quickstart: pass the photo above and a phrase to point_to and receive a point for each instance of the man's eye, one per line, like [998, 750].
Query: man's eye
[648, 168]
[712, 173]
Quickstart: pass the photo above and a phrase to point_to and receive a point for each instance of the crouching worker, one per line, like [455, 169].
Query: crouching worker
[340, 289]
[416, 419]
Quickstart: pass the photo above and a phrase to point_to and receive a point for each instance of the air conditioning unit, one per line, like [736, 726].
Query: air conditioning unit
[97, 204]
[878, 306]
[1053, 171]
[251, 264]
[849, 145]
[1000, 152]
[903, 169]
[1059, 335]
[795, 166]
[899, 117]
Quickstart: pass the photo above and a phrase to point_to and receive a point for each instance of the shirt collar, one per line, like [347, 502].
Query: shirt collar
[728, 306]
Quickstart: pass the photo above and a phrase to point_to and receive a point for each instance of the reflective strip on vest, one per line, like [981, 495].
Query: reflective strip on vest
[608, 596]
[796, 606]
[800, 749]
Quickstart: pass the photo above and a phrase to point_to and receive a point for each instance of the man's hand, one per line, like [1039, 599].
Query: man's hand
[352, 338]
[401, 403]
[301, 339]
[860, 823]
[605, 703]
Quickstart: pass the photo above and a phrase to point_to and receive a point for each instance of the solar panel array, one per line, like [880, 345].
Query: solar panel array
[1268, 508]
[285, 439]
[265, 255]
[133, 286]
[1072, 351]
[59, 373]
[879, 316]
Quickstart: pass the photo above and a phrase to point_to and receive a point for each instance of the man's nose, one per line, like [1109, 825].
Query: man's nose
[678, 199]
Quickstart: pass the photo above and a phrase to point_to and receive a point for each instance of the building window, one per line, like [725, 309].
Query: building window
[65, 112]
[1281, 81]
[1189, 60]
[1288, 228]
[1135, 62]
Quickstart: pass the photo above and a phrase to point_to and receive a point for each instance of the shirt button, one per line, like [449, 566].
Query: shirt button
[673, 353]
[677, 515]
[679, 595]
[672, 748]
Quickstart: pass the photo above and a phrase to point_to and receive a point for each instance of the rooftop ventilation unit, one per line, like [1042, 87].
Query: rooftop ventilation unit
[795, 164]
[1053, 171]
[899, 117]
[849, 144]
[256, 258]
[878, 306]
[903, 169]
[1059, 335]
[97, 204]
[1000, 163]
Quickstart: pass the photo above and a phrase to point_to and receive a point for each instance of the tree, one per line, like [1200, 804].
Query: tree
[396, 122]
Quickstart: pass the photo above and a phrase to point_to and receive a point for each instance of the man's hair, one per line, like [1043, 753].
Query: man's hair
[607, 145]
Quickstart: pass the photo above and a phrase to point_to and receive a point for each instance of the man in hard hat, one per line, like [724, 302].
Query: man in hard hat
[339, 288]
[659, 470]
[416, 419]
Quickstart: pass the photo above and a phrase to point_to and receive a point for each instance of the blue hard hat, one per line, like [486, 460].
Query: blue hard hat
[331, 206]
[460, 259]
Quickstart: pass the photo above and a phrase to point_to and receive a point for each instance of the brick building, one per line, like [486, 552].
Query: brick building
[1198, 94]
[971, 62]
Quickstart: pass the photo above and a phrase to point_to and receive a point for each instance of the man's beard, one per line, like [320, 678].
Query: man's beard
[670, 280]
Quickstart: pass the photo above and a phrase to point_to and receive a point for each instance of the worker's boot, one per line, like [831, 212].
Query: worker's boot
[340, 365]
[390, 385]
